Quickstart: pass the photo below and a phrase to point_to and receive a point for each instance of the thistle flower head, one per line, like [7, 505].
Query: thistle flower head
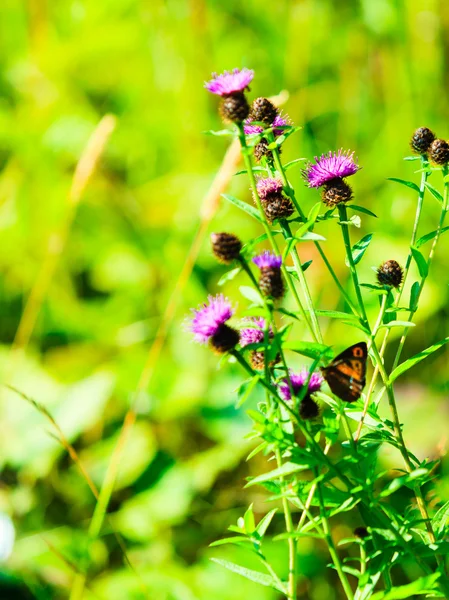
[279, 121]
[229, 82]
[298, 381]
[209, 317]
[268, 186]
[267, 260]
[333, 165]
[254, 333]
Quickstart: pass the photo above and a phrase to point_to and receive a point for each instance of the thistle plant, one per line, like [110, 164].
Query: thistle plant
[320, 428]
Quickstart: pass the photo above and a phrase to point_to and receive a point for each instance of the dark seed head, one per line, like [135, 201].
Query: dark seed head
[421, 140]
[361, 532]
[257, 360]
[308, 408]
[224, 340]
[439, 152]
[263, 110]
[336, 191]
[270, 282]
[390, 273]
[226, 247]
[261, 151]
[234, 108]
[277, 206]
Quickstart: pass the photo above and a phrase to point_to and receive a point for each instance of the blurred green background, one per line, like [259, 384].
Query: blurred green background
[361, 74]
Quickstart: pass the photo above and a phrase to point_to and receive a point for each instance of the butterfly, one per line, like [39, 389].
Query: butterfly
[346, 373]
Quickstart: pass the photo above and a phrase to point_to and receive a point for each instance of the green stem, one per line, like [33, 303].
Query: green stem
[444, 210]
[249, 168]
[355, 279]
[408, 262]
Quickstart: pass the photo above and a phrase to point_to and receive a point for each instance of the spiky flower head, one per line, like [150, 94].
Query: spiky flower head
[390, 273]
[263, 110]
[333, 165]
[421, 140]
[298, 380]
[254, 333]
[209, 317]
[229, 82]
[267, 260]
[268, 186]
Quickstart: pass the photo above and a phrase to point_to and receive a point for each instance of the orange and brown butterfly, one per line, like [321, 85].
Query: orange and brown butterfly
[347, 372]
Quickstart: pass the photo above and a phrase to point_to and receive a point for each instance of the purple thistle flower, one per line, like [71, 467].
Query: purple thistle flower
[279, 121]
[255, 332]
[251, 129]
[268, 186]
[333, 165]
[298, 380]
[267, 260]
[229, 82]
[209, 317]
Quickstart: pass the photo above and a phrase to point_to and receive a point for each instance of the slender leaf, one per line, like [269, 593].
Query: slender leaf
[359, 249]
[335, 314]
[430, 236]
[287, 468]
[408, 184]
[440, 519]
[250, 210]
[251, 294]
[255, 576]
[264, 523]
[398, 324]
[411, 362]
[310, 349]
[420, 261]
[435, 193]
[237, 540]
[414, 294]
[362, 209]
[250, 523]
[420, 586]
[229, 276]
[292, 163]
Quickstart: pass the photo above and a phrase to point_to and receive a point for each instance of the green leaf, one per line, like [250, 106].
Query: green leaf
[312, 236]
[251, 294]
[292, 163]
[335, 314]
[398, 324]
[250, 523]
[237, 540]
[414, 293]
[255, 576]
[306, 265]
[398, 482]
[411, 362]
[222, 132]
[420, 261]
[314, 212]
[310, 349]
[359, 249]
[287, 468]
[254, 169]
[244, 391]
[435, 193]
[412, 158]
[430, 236]
[264, 523]
[229, 276]
[250, 210]
[420, 586]
[408, 184]
[362, 209]
[440, 519]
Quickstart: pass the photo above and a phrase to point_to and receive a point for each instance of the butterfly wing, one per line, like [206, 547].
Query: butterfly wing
[346, 375]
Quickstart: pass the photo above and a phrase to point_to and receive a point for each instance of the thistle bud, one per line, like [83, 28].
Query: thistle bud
[226, 247]
[308, 408]
[361, 532]
[224, 339]
[234, 108]
[390, 273]
[263, 110]
[421, 140]
[336, 191]
[274, 203]
[439, 152]
[270, 278]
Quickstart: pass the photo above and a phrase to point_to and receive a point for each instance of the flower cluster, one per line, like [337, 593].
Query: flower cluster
[329, 172]
[231, 86]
